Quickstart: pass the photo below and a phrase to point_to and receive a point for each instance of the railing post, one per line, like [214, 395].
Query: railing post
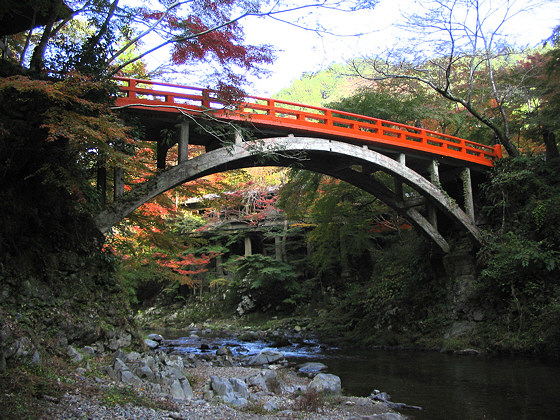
[468, 193]
[498, 150]
[329, 118]
[205, 99]
[132, 88]
[183, 146]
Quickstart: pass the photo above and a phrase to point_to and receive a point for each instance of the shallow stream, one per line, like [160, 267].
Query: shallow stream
[448, 387]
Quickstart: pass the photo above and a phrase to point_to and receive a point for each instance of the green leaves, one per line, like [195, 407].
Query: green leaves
[267, 281]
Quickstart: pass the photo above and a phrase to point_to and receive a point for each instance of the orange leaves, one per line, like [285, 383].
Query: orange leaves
[185, 264]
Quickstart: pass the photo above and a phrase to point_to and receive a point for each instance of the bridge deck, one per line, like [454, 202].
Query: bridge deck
[290, 117]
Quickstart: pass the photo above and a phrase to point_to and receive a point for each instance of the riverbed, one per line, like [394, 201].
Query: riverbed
[446, 386]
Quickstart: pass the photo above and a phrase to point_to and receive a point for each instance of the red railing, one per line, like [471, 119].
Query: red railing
[298, 118]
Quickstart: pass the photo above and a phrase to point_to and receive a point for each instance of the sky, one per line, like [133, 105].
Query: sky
[302, 51]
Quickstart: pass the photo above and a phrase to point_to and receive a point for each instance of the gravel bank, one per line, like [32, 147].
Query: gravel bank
[88, 400]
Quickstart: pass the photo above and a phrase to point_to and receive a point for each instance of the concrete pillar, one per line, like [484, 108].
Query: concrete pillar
[118, 182]
[278, 248]
[398, 183]
[183, 152]
[102, 183]
[468, 193]
[434, 177]
[161, 156]
[248, 246]
[219, 263]
[434, 172]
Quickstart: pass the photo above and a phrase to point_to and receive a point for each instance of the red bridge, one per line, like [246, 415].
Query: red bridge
[302, 119]
[434, 174]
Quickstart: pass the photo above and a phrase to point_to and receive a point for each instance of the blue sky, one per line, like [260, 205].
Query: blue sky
[302, 51]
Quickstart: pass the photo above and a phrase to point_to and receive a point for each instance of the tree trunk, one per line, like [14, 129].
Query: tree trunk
[549, 139]
[36, 63]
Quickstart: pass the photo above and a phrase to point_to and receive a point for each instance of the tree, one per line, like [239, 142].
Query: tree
[189, 32]
[540, 74]
[458, 48]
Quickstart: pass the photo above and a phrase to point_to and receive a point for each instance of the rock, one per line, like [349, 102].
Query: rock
[221, 386]
[81, 371]
[270, 406]
[384, 398]
[130, 378]
[36, 358]
[313, 367]
[239, 388]
[223, 351]
[123, 340]
[119, 365]
[383, 416]
[132, 356]
[155, 337]
[88, 350]
[232, 391]
[74, 355]
[181, 390]
[468, 352]
[245, 305]
[267, 381]
[151, 343]
[237, 402]
[144, 371]
[478, 315]
[265, 357]
[326, 382]
[187, 390]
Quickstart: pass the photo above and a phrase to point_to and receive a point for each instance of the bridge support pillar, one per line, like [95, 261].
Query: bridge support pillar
[161, 153]
[278, 248]
[468, 193]
[102, 184]
[118, 183]
[398, 184]
[434, 177]
[248, 246]
[219, 263]
[183, 146]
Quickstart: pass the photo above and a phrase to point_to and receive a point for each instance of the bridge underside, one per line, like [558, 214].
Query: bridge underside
[420, 200]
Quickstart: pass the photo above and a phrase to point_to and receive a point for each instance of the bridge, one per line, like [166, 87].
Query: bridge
[432, 176]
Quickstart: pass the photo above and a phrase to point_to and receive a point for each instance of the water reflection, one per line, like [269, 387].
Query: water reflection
[455, 387]
[448, 387]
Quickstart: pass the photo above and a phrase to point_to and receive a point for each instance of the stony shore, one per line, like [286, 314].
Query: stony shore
[219, 386]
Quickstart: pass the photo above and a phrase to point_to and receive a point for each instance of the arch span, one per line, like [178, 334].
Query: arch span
[344, 161]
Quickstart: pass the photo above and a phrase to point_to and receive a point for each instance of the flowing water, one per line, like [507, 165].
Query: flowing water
[448, 387]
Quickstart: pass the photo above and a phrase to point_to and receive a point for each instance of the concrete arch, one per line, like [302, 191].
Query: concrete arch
[330, 157]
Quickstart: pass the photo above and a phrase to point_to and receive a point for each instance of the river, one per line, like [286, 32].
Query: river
[448, 387]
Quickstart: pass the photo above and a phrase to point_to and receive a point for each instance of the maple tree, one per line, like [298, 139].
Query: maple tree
[457, 49]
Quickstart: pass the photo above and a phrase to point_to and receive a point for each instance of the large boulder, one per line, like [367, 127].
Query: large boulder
[266, 357]
[151, 343]
[267, 381]
[312, 367]
[327, 383]
[232, 391]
